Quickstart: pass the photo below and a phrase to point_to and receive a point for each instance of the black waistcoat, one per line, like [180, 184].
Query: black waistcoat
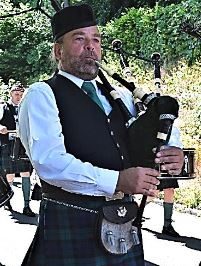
[8, 120]
[89, 134]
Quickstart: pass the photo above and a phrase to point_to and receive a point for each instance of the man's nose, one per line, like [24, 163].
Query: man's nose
[89, 45]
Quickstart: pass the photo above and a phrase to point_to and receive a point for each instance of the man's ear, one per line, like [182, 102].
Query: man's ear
[57, 50]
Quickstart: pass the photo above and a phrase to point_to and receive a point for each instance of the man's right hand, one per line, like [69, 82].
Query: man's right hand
[138, 180]
[3, 130]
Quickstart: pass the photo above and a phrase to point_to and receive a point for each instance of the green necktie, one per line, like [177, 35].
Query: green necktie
[89, 88]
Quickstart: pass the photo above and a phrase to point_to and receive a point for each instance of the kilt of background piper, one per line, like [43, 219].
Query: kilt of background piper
[69, 237]
[10, 166]
[168, 183]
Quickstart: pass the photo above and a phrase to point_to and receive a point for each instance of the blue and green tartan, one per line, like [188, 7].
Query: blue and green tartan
[9, 166]
[69, 237]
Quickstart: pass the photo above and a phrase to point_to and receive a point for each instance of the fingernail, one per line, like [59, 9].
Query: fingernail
[157, 160]
[154, 150]
[163, 147]
[163, 167]
[171, 172]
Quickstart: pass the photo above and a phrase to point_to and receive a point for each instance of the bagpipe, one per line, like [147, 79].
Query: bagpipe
[152, 126]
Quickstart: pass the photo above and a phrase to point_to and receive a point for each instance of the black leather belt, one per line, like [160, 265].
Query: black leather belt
[72, 198]
[58, 194]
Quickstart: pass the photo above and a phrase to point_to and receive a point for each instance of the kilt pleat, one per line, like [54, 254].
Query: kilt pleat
[10, 166]
[69, 237]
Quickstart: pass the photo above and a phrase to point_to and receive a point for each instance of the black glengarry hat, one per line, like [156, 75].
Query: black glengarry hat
[71, 18]
[17, 87]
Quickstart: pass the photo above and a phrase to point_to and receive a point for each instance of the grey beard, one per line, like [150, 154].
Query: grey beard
[85, 72]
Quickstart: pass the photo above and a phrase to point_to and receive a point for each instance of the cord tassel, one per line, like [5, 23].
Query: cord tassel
[122, 245]
[110, 238]
[135, 237]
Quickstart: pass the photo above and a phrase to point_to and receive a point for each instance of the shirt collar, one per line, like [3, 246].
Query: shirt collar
[76, 80]
[12, 103]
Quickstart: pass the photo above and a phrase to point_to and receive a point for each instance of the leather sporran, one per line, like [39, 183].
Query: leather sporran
[116, 231]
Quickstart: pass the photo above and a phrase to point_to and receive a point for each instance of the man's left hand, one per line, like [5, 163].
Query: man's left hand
[171, 159]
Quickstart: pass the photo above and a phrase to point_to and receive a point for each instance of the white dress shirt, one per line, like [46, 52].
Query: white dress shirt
[41, 134]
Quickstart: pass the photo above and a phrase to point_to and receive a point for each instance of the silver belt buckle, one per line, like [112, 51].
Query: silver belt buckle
[11, 135]
[117, 195]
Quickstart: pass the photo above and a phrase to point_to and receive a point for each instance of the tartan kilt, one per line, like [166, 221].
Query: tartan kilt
[68, 237]
[10, 166]
[168, 183]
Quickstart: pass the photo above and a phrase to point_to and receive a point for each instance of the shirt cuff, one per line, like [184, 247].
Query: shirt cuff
[107, 181]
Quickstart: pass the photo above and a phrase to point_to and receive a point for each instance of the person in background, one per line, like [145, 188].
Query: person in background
[168, 187]
[76, 139]
[9, 166]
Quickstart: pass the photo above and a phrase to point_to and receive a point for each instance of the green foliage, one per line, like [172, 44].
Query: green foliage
[25, 42]
[149, 30]
[184, 83]
[4, 91]
[189, 196]
[109, 9]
